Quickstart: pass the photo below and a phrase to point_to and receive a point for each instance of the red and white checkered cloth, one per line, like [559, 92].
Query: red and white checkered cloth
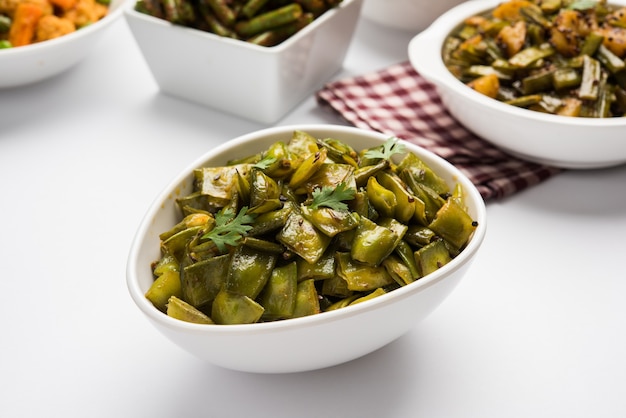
[397, 101]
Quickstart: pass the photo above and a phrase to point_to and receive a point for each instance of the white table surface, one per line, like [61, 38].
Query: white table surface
[536, 329]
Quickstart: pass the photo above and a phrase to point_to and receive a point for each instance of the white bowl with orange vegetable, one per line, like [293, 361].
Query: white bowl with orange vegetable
[47, 37]
[568, 140]
[307, 341]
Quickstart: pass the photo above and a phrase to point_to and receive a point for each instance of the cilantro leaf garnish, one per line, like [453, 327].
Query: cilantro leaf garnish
[265, 163]
[583, 4]
[332, 197]
[390, 147]
[229, 229]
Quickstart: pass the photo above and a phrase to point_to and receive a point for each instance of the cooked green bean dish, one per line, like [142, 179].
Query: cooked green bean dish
[563, 57]
[307, 226]
[261, 22]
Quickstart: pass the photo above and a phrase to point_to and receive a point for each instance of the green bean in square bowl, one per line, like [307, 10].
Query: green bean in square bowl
[288, 236]
[256, 63]
[542, 80]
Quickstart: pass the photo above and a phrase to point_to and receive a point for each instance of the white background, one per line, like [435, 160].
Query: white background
[536, 329]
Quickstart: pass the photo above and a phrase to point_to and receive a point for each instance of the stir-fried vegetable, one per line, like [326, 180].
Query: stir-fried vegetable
[25, 22]
[261, 22]
[562, 57]
[324, 241]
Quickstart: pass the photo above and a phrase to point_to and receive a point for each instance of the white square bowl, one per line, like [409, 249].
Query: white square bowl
[255, 82]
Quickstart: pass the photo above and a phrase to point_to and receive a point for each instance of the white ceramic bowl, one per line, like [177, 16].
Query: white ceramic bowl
[315, 341]
[36, 62]
[560, 141]
[251, 81]
[408, 15]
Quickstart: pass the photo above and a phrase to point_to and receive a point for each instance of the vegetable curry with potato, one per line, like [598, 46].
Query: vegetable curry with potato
[563, 57]
[25, 22]
[309, 225]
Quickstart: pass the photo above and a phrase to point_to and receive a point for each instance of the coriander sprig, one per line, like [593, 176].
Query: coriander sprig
[390, 147]
[332, 197]
[229, 229]
[265, 163]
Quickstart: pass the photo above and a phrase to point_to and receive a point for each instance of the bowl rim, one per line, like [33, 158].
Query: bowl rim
[313, 320]
[110, 17]
[131, 13]
[425, 56]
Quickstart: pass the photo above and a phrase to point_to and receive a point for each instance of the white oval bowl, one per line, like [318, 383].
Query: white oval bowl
[559, 141]
[407, 15]
[39, 61]
[311, 342]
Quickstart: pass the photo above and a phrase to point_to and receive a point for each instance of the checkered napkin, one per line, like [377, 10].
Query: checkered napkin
[399, 102]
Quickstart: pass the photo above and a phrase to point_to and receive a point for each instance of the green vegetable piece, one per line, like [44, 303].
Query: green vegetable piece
[330, 221]
[382, 199]
[164, 287]
[339, 152]
[269, 20]
[5, 44]
[525, 101]
[419, 236]
[249, 270]
[329, 175]
[177, 243]
[190, 221]
[566, 78]
[219, 184]
[300, 236]
[453, 224]
[251, 7]
[179, 309]
[538, 82]
[528, 56]
[398, 270]
[361, 206]
[224, 13]
[302, 144]
[202, 281]
[324, 268]
[413, 167]
[263, 189]
[231, 308]
[166, 263]
[278, 297]
[363, 173]
[405, 201]
[276, 36]
[372, 243]
[361, 277]
[282, 162]
[378, 292]
[307, 300]
[342, 303]
[336, 287]
[307, 168]
[405, 253]
[263, 245]
[591, 44]
[432, 257]
[609, 60]
[591, 79]
[270, 221]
